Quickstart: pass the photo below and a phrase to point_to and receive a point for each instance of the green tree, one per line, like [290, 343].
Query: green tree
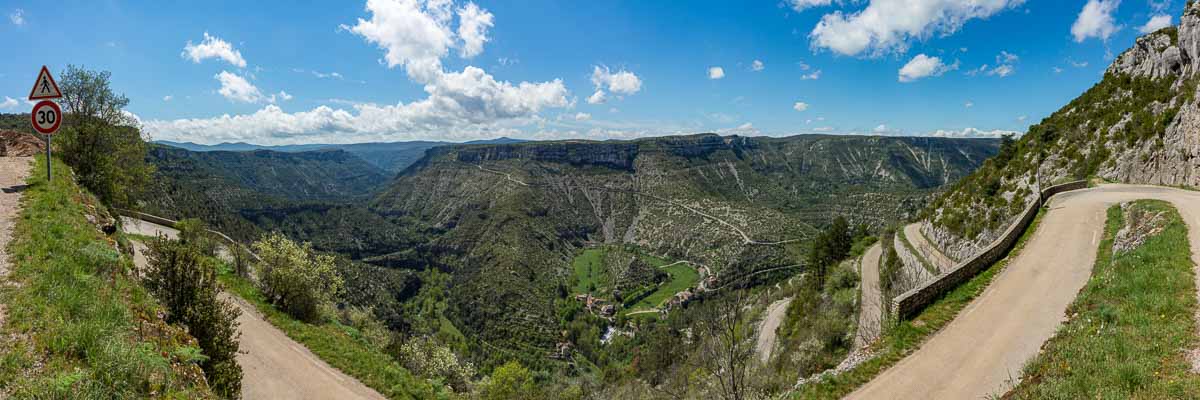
[296, 278]
[99, 140]
[511, 381]
[195, 233]
[185, 281]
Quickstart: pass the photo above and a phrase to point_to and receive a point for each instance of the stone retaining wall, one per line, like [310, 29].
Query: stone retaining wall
[913, 301]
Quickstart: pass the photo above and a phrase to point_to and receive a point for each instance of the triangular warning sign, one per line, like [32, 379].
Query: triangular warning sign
[44, 87]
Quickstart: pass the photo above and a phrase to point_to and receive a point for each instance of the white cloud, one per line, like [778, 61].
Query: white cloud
[716, 73]
[582, 116]
[923, 66]
[622, 82]
[968, 104]
[281, 96]
[972, 133]
[415, 34]
[1022, 118]
[811, 76]
[17, 17]
[1005, 66]
[801, 5]
[473, 23]
[1096, 20]
[506, 61]
[1001, 70]
[9, 102]
[880, 129]
[1057, 70]
[213, 47]
[743, 129]
[1077, 64]
[322, 75]
[597, 98]
[168, 97]
[888, 25]
[1155, 23]
[823, 129]
[800, 106]
[237, 88]
[757, 65]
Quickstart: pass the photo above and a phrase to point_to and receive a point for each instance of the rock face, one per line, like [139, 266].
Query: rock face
[1139, 124]
[17, 144]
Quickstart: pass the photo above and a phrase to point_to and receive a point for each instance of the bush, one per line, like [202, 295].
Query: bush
[295, 278]
[185, 281]
[509, 381]
[431, 359]
[194, 232]
[370, 330]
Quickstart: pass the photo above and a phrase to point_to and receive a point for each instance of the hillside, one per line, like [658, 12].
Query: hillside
[1137, 125]
[392, 157]
[508, 220]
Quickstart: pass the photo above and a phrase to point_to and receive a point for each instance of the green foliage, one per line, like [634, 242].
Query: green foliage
[98, 140]
[428, 358]
[510, 381]
[185, 281]
[818, 327]
[195, 233]
[77, 325]
[295, 278]
[830, 246]
[1132, 324]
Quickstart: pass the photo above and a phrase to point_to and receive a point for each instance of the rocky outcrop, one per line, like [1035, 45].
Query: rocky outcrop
[1155, 55]
[18, 144]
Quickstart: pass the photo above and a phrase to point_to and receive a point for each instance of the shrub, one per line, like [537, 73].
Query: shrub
[295, 278]
[185, 282]
[431, 359]
[194, 232]
[370, 330]
[509, 381]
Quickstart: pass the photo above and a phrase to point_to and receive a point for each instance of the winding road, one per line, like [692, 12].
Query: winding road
[870, 315]
[273, 365]
[940, 261]
[766, 330]
[981, 352]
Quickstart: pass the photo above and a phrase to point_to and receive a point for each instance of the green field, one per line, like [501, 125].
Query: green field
[589, 271]
[683, 276]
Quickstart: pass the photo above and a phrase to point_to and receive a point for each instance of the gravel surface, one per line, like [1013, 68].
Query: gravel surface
[13, 171]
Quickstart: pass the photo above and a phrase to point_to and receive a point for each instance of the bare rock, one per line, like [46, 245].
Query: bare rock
[19, 144]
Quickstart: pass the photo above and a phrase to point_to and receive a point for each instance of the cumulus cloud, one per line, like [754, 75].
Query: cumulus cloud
[889, 25]
[812, 76]
[882, 128]
[582, 116]
[597, 98]
[972, 133]
[923, 66]
[17, 17]
[622, 82]
[236, 88]
[800, 106]
[1096, 20]
[473, 24]
[281, 96]
[413, 34]
[213, 47]
[9, 102]
[968, 104]
[716, 73]
[1005, 66]
[743, 129]
[757, 65]
[1155, 23]
[168, 97]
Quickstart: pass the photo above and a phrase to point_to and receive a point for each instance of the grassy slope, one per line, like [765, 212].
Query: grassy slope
[78, 326]
[906, 337]
[339, 345]
[1129, 326]
[683, 276]
[589, 269]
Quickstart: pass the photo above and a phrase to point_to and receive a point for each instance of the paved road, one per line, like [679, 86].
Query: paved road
[982, 351]
[274, 366]
[870, 315]
[13, 171]
[926, 249]
[139, 227]
[766, 329]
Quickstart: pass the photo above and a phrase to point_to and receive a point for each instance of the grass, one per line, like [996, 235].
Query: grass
[1129, 326]
[906, 336]
[78, 326]
[589, 270]
[683, 276]
[339, 345]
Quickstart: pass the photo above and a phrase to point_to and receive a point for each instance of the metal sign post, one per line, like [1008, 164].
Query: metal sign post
[46, 117]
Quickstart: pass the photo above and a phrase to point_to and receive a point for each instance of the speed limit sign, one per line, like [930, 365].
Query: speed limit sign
[46, 117]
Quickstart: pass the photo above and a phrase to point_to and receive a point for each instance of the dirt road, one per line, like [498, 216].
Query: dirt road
[927, 250]
[982, 351]
[870, 315]
[766, 329]
[13, 171]
[273, 365]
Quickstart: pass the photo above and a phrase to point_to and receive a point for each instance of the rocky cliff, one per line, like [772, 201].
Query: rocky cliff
[1139, 124]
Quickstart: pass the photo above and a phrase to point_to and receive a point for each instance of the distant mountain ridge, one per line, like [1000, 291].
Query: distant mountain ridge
[389, 156]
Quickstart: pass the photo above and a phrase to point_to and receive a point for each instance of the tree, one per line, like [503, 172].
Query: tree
[727, 350]
[185, 281]
[296, 278]
[508, 382]
[193, 232]
[99, 140]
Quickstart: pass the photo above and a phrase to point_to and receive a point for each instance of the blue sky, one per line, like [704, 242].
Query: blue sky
[388, 70]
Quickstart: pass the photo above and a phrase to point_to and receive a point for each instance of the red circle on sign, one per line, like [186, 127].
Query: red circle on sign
[49, 122]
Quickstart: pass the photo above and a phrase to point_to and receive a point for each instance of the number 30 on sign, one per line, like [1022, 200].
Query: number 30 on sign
[46, 117]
